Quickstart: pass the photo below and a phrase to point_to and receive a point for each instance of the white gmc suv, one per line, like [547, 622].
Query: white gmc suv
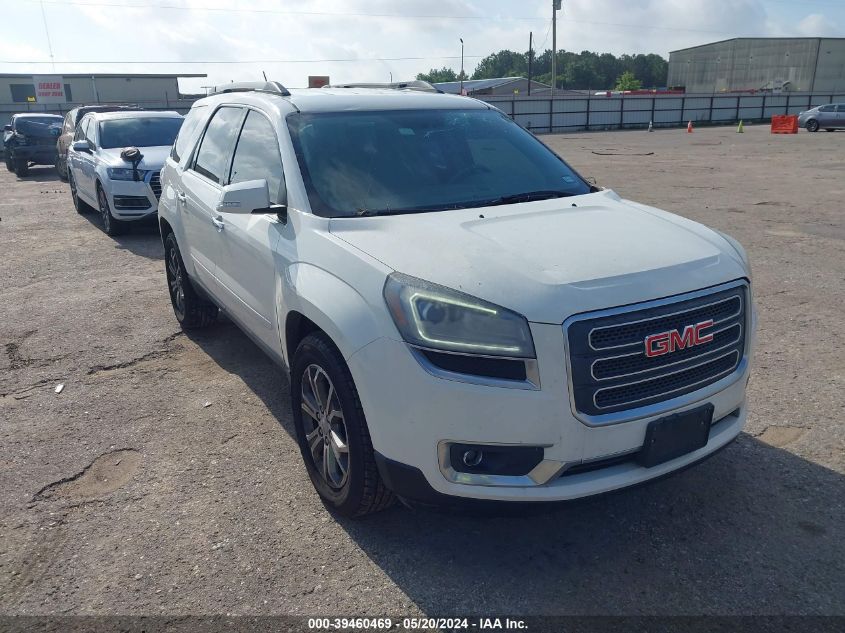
[463, 317]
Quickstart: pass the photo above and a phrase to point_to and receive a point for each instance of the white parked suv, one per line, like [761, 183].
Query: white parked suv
[463, 317]
[114, 164]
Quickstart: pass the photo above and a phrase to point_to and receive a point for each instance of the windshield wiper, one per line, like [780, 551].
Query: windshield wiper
[529, 196]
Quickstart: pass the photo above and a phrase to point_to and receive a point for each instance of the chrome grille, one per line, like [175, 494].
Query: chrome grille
[155, 184]
[610, 372]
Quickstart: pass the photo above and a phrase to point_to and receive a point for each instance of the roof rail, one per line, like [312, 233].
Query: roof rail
[273, 87]
[422, 86]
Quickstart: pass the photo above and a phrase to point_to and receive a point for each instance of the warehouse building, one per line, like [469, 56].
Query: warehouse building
[794, 64]
[59, 93]
[497, 86]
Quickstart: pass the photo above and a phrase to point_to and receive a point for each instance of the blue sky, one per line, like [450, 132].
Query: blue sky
[290, 39]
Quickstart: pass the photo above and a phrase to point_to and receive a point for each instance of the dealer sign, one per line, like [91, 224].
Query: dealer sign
[49, 88]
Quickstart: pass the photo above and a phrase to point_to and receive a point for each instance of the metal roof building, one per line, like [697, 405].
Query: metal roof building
[497, 86]
[19, 88]
[798, 64]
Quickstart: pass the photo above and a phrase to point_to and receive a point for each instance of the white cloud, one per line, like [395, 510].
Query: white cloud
[261, 33]
[817, 25]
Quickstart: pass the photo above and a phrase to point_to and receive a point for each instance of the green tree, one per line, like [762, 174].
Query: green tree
[576, 71]
[627, 81]
[435, 76]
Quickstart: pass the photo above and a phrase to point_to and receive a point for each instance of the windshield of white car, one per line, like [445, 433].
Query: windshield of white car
[416, 161]
[139, 132]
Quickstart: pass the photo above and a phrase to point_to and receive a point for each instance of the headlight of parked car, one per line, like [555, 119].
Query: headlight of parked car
[435, 317]
[121, 173]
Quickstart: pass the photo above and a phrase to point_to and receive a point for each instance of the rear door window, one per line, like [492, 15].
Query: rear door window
[213, 155]
[187, 133]
[80, 130]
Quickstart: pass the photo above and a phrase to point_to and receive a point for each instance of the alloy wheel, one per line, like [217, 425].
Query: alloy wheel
[325, 427]
[175, 283]
[73, 193]
[104, 209]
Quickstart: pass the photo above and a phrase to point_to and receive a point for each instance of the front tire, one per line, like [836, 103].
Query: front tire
[21, 167]
[812, 125]
[61, 169]
[79, 204]
[332, 431]
[111, 226]
[191, 310]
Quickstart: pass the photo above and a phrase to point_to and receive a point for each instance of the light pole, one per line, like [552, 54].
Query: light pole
[556, 5]
[462, 67]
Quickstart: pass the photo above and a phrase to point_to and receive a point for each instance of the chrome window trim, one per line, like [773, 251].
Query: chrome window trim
[662, 316]
[686, 360]
[678, 402]
[532, 370]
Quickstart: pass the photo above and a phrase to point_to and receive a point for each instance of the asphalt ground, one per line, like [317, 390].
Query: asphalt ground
[164, 478]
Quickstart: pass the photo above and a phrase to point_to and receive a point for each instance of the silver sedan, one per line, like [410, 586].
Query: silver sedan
[828, 117]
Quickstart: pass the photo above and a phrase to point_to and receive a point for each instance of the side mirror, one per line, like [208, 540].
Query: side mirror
[81, 146]
[245, 197]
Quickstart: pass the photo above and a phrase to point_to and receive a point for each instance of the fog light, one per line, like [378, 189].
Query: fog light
[490, 459]
[473, 458]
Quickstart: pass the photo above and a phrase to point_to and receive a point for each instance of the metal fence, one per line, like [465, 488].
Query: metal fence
[571, 114]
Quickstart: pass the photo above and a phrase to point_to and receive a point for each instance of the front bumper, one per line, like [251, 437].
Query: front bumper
[412, 413]
[38, 154]
[131, 200]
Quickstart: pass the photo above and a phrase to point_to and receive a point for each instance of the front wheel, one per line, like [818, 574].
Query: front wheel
[21, 167]
[191, 310]
[61, 169]
[80, 205]
[111, 225]
[332, 431]
[812, 125]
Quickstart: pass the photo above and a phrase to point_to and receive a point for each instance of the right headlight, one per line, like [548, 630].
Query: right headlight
[435, 317]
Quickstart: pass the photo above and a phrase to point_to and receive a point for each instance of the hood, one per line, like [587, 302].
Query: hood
[550, 259]
[154, 157]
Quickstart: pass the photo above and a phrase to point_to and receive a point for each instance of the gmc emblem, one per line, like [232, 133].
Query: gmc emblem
[666, 342]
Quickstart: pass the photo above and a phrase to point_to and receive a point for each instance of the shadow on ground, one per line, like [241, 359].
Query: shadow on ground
[736, 534]
[142, 238]
[41, 174]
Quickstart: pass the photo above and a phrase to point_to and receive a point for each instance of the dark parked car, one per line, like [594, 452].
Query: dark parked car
[72, 119]
[30, 139]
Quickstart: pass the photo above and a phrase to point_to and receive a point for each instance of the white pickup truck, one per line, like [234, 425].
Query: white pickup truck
[463, 316]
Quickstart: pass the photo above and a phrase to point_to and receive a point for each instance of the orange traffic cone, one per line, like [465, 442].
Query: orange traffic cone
[689, 127]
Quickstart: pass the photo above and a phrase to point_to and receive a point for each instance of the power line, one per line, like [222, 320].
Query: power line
[176, 7]
[330, 14]
[247, 61]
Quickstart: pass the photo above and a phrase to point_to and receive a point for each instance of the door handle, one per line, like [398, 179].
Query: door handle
[181, 197]
[218, 223]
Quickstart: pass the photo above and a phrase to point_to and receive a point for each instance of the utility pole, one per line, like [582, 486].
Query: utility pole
[556, 5]
[462, 67]
[530, 58]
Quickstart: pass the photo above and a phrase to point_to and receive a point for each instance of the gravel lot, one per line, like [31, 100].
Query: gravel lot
[193, 498]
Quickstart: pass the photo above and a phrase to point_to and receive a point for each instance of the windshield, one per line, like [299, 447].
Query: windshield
[139, 132]
[360, 163]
